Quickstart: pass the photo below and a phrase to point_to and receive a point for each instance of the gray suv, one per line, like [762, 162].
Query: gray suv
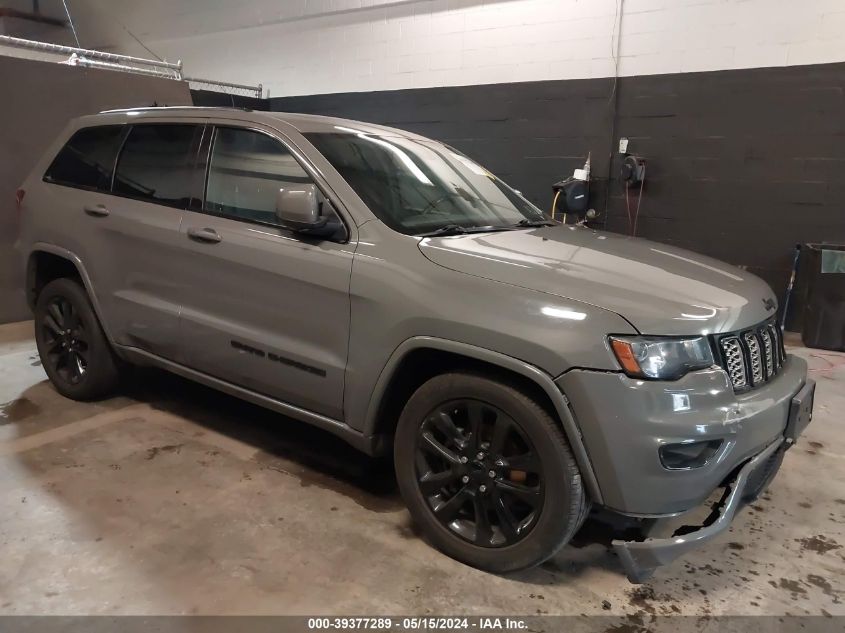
[392, 291]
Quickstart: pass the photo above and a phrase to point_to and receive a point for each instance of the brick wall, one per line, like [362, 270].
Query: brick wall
[367, 45]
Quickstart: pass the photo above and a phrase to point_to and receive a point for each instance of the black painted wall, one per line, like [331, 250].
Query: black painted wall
[210, 98]
[742, 164]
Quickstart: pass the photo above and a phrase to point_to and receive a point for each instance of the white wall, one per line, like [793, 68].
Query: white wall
[324, 46]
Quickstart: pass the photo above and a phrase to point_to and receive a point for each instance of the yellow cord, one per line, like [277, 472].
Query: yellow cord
[554, 203]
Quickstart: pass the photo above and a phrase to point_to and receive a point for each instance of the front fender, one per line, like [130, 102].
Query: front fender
[495, 359]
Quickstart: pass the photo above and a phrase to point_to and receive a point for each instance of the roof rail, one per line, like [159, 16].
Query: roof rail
[155, 108]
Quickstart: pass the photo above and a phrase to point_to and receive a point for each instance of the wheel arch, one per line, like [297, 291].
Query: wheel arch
[419, 358]
[47, 262]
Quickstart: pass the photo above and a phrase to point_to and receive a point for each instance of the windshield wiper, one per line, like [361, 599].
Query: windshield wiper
[457, 229]
[447, 229]
[530, 223]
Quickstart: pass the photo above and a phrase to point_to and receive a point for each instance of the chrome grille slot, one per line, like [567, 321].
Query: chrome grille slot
[756, 364]
[734, 362]
[752, 357]
[777, 340]
[768, 352]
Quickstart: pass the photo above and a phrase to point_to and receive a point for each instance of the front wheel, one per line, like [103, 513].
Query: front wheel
[487, 473]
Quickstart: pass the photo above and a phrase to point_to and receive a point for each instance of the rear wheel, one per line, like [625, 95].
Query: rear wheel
[74, 350]
[487, 473]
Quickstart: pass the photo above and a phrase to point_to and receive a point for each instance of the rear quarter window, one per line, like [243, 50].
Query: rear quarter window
[87, 159]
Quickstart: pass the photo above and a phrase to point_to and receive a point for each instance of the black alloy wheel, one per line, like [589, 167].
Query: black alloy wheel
[486, 472]
[479, 473]
[74, 350]
[65, 339]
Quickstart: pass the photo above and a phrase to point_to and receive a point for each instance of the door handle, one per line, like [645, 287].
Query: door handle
[204, 235]
[96, 210]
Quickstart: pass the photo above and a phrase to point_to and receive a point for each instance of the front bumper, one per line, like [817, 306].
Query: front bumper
[624, 422]
[640, 558]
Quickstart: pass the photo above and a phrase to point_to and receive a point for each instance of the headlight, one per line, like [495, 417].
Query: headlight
[666, 358]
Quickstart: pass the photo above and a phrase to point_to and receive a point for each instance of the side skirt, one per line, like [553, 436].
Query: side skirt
[371, 445]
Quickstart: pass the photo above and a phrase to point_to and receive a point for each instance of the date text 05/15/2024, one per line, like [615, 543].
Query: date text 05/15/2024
[418, 623]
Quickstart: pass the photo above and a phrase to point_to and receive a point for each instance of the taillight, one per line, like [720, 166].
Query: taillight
[19, 194]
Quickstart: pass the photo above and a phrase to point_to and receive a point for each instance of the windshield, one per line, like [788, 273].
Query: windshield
[418, 187]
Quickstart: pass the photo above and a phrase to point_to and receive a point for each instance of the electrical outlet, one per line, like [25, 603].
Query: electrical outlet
[623, 145]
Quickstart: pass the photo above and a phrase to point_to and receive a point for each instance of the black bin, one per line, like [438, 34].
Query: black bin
[824, 311]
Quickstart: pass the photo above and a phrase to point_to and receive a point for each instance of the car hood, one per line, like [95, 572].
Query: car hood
[659, 289]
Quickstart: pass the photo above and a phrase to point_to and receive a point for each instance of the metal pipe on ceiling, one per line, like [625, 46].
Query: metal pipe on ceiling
[124, 63]
[19, 42]
[93, 63]
[257, 90]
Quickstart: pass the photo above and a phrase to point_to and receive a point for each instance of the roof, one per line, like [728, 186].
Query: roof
[302, 122]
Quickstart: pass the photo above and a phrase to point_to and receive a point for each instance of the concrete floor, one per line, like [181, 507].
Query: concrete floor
[175, 499]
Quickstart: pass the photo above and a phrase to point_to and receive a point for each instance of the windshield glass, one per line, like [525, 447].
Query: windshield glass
[418, 187]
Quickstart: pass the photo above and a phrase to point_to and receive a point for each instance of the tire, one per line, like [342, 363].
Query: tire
[534, 460]
[64, 302]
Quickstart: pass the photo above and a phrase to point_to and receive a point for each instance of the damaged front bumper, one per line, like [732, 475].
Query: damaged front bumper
[641, 558]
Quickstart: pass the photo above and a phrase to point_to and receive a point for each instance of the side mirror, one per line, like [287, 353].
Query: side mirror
[298, 208]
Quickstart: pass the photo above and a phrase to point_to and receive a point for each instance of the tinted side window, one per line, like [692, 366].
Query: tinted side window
[87, 158]
[156, 164]
[246, 171]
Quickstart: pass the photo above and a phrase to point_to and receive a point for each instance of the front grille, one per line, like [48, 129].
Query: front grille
[751, 357]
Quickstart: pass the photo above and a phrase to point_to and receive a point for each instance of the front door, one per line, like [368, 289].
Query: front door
[263, 308]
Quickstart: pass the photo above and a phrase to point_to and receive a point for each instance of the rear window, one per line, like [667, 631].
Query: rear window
[87, 158]
[156, 164]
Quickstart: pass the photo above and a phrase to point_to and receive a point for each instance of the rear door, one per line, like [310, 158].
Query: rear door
[264, 308]
[135, 235]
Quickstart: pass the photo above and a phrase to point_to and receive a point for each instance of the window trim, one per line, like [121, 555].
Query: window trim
[301, 160]
[198, 176]
[193, 150]
[126, 134]
[121, 140]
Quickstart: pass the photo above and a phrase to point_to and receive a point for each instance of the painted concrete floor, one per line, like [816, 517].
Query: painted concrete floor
[175, 499]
